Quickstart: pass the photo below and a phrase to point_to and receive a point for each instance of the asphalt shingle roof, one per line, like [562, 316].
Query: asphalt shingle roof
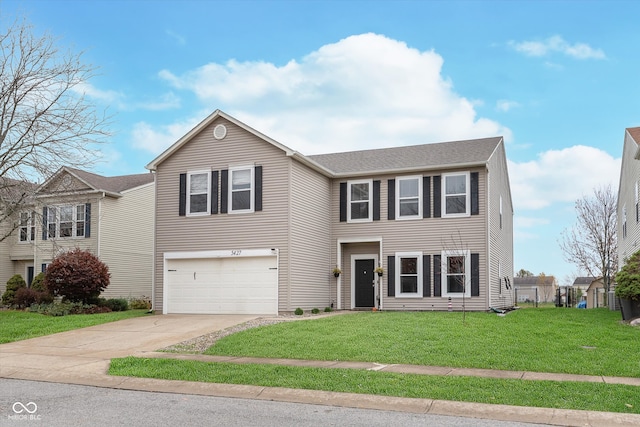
[113, 184]
[475, 151]
[635, 134]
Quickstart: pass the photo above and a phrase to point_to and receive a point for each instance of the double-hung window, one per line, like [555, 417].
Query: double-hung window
[408, 274]
[66, 221]
[455, 194]
[360, 202]
[27, 229]
[198, 193]
[408, 204]
[241, 190]
[456, 273]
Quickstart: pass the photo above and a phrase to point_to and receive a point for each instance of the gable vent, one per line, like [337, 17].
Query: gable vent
[219, 132]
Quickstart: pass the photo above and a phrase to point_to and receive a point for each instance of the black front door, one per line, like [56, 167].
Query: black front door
[364, 282]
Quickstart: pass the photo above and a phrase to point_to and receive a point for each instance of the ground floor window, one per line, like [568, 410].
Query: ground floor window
[456, 277]
[408, 274]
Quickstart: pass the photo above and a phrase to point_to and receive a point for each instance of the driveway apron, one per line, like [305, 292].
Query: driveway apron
[85, 353]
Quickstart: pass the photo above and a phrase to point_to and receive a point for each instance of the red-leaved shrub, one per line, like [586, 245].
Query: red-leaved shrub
[77, 275]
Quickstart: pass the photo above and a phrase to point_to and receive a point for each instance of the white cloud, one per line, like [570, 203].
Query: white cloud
[156, 140]
[89, 90]
[556, 44]
[506, 105]
[561, 176]
[364, 91]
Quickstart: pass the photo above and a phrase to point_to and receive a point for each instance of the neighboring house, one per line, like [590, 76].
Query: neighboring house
[628, 209]
[110, 216]
[535, 288]
[582, 284]
[595, 294]
[244, 224]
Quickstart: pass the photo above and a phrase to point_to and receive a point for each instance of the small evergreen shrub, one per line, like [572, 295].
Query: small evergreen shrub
[628, 279]
[117, 304]
[66, 308]
[77, 276]
[13, 284]
[328, 310]
[298, 311]
[140, 303]
[315, 310]
[38, 283]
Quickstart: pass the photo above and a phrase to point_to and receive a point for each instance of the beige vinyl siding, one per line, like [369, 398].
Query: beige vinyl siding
[430, 236]
[6, 266]
[310, 268]
[259, 230]
[629, 176]
[126, 242]
[500, 239]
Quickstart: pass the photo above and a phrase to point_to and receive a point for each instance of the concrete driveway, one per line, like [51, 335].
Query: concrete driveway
[83, 354]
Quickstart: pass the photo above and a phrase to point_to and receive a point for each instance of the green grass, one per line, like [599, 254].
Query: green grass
[22, 325]
[563, 340]
[547, 394]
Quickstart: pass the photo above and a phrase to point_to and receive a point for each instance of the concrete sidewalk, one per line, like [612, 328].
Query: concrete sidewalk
[82, 357]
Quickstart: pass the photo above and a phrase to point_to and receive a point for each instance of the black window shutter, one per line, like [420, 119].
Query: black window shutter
[391, 276]
[437, 273]
[87, 220]
[437, 197]
[426, 275]
[391, 199]
[45, 226]
[182, 208]
[258, 197]
[475, 275]
[475, 208]
[44, 267]
[343, 202]
[376, 200]
[224, 190]
[214, 192]
[426, 197]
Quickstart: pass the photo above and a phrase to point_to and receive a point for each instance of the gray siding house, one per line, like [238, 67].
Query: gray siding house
[245, 224]
[628, 209]
[112, 217]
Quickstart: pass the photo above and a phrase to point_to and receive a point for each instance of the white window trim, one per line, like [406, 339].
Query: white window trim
[188, 206]
[30, 225]
[443, 195]
[467, 273]
[398, 256]
[370, 200]
[252, 190]
[407, 178]
[74, 221]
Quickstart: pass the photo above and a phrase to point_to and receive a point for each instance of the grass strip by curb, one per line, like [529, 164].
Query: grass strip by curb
[547, 394]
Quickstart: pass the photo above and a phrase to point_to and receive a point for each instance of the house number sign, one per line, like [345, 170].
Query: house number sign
[236, 252]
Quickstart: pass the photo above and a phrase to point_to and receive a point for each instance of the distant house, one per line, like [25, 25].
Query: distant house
[245, 224]
[582, 283]
[628, 208]
[535, 288]
[110, 216]
[595, 294]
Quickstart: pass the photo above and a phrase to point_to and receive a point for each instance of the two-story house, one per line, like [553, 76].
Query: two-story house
[245, 224]
[110, 216]
[628, 208]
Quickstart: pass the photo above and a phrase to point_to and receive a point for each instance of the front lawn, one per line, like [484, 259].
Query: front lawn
[22, 325]
[565, 340]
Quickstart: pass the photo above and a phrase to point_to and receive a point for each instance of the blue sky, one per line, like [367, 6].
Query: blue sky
[559, 80]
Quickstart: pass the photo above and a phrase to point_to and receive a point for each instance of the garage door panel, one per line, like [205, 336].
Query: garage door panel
[222, 285]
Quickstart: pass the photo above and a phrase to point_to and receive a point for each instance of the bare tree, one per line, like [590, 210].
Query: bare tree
[45, 118]
[592, 243]
[524, 273]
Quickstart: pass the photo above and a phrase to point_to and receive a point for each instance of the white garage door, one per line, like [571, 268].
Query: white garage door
[235, 285]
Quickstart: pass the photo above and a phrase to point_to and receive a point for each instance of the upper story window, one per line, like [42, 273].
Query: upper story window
[408, 203]
[359, 202]
[198, 192]
[66, 221]
[456, 195]
[637, 195]
[26, 228]
[624, 221]
[241, 190]
[408, 274]
[456, 273]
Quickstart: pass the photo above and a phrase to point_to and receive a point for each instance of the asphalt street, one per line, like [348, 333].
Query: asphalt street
[31, 403]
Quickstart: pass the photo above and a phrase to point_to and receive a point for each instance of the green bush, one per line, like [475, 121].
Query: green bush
[298, 311]
[66, 308]
[315, 310]
[628, 279]
[328, 309]
[13, 284]
[38, 283]
[117, 304]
